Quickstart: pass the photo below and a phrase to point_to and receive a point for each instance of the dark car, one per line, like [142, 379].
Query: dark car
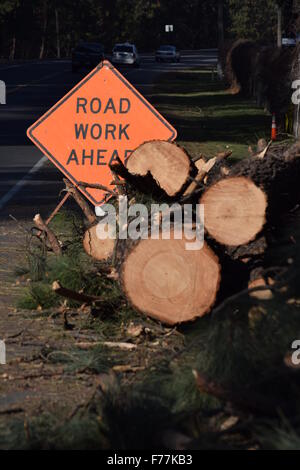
[87, 55]
[167, 54]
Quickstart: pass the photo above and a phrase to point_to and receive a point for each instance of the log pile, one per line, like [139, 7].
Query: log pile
[160, 276]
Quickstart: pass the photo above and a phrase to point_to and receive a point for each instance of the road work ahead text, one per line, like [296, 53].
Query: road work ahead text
[98, 131]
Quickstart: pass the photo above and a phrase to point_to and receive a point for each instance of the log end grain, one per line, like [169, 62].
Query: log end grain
[99, 249]
[234, 210]
[165, 281]
[169, 165]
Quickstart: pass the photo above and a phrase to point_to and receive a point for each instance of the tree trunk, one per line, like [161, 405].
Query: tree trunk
[12, 52]
[169, 165]
[220, 25]
[256, 191]
[165, 281]
[13, 48]
[57, 33]
[277, 174]
[235, 210]
[44, 28]
[279, 26]
[157, 167]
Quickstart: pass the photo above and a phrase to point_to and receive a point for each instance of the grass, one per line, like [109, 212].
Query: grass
[74, 269]
[208, 119]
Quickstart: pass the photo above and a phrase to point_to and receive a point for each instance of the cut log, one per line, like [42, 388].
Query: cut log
[234, 211]
[169, 165]
[136, 183]
[277, 174]
[166, 281]
[99, 249]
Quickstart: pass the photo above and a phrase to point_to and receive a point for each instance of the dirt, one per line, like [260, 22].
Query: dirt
[29, 384]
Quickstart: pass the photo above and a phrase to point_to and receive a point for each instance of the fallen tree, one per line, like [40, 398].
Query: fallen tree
[161, 277]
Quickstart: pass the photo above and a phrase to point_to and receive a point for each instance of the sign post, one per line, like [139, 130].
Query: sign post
[101, 119]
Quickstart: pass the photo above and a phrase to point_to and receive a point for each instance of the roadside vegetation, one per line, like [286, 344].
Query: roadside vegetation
[208, 118]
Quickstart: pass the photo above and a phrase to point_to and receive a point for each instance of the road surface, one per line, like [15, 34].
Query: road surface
[28, 182]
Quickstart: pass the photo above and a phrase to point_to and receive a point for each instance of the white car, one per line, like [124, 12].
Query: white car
[167, 53]
[125, 54]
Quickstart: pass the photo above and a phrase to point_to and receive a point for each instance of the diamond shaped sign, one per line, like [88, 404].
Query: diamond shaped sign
[102, 118]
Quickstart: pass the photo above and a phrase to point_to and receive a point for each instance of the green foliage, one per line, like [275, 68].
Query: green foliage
[119, 417]
[75, 270]
[208, 118]
[280, 437]
[36, 296]
[47, 432]
[97, 360]
[251, 19]
[244, 344]
[33, 24]
[256, 20]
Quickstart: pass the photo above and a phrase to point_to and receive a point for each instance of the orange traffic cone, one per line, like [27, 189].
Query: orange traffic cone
[274, 128]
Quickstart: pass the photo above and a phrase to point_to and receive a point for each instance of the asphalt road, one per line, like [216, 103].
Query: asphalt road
[27, 183]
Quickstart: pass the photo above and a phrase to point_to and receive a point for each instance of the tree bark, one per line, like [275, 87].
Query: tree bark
[57, 33]
[44, 28]
[13, 48]
[220, 25]
[279, 26]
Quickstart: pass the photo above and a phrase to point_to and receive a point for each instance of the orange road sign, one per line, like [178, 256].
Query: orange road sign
[103, 117]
